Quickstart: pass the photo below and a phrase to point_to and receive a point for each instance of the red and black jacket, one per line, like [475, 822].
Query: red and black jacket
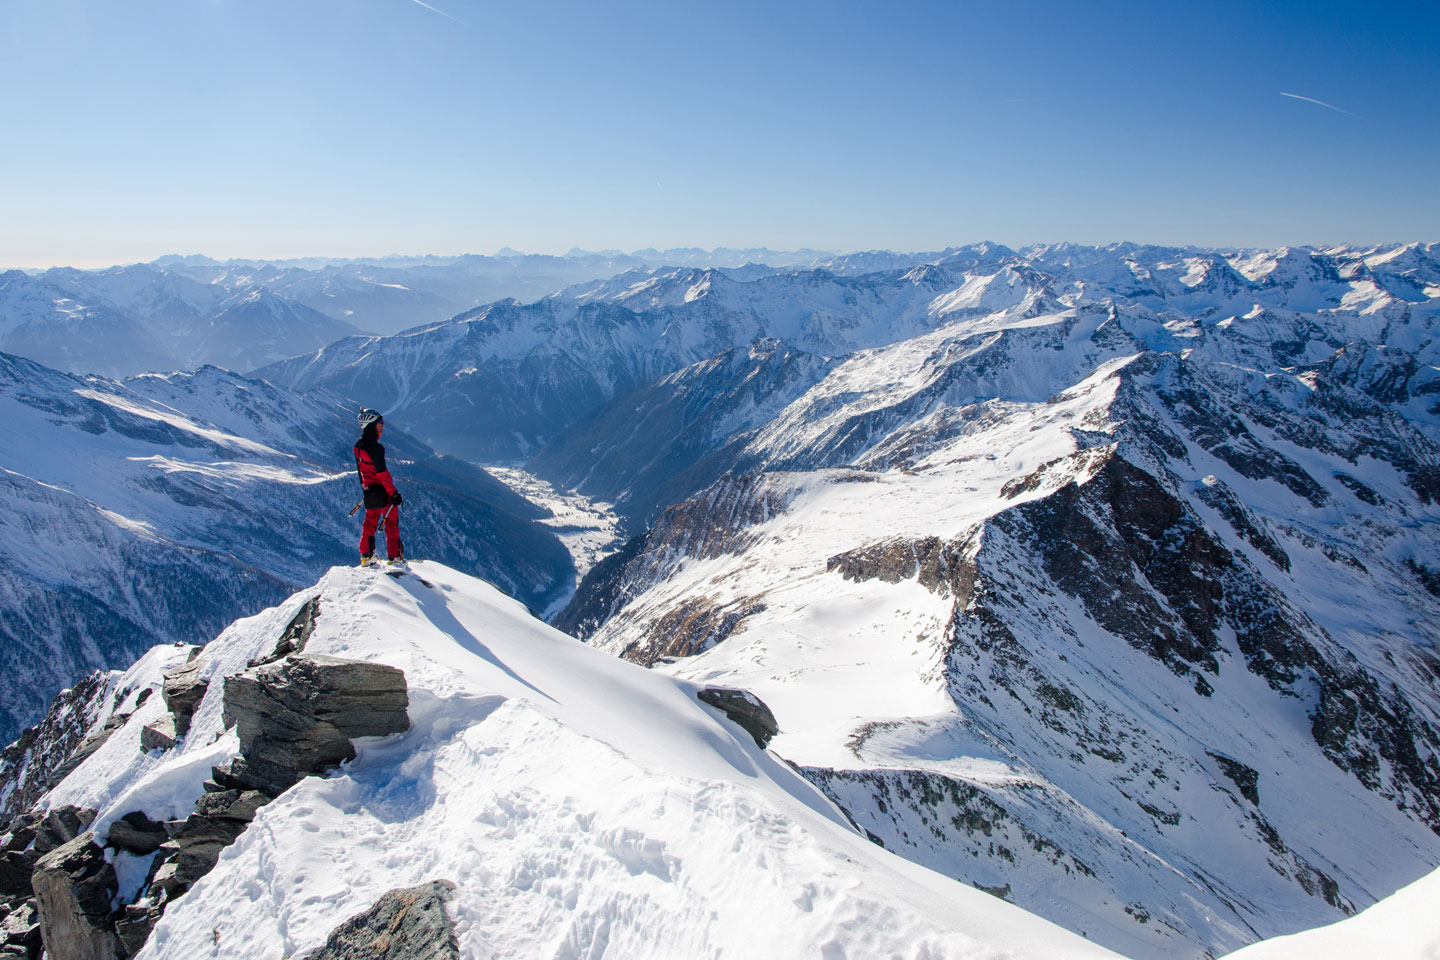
[370, 461]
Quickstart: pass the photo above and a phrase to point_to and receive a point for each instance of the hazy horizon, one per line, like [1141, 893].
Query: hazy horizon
[507, 251]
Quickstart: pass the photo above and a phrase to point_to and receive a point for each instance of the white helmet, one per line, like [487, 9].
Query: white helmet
[366, 416]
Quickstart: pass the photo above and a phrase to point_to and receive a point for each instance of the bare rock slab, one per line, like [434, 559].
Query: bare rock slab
[74, 887]
[160, 735]
[409, 924]
[183, 689]
[297, 716]
[745, 710]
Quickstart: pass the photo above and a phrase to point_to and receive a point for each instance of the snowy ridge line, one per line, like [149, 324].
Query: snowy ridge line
[605, 808]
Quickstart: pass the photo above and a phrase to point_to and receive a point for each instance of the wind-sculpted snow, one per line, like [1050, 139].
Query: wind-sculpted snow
[162, 507]
[1094, 609]
[580, 806]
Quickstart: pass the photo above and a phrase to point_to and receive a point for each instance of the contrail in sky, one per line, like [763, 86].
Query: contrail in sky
[1327, 106]
[457, 19]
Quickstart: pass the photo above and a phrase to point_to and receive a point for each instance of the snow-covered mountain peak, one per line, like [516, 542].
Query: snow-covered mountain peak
[581, 805]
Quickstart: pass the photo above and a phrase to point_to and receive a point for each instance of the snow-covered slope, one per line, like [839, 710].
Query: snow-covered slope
[649, 447]
[180, 312]
[163, 507]
[255, 328]
[131, 319]
[1090, 608]
[1403, 926]
[44, 321]
[583, 806]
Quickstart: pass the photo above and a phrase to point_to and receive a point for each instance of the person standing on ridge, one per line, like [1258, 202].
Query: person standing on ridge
[381, 497]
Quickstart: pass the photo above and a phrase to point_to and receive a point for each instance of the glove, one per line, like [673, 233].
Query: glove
[396, 499]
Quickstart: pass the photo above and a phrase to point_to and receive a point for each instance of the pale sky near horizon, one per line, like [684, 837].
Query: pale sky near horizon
[368, 127]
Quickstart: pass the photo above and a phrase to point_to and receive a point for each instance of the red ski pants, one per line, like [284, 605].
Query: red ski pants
[392, 532]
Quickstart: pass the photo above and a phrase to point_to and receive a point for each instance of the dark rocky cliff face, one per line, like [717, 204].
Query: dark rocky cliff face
[1147, 572]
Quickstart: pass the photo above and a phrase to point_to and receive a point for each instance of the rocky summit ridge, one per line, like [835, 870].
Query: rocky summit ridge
[414, 767]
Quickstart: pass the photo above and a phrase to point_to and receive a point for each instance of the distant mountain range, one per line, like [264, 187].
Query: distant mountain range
[179, 313]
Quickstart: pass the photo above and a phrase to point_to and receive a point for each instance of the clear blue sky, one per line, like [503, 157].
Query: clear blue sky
[363, 127]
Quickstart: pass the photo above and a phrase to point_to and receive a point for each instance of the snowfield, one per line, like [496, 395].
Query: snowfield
[584, 806]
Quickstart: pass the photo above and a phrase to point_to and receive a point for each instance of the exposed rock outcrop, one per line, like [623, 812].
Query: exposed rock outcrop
[297, 716]
[296, 633]
[690, 628]
[943, 567]
[47, 751]
[183, 689]
[745, 709]
[20, 932]
[409, 924]
[74, 888]
[193, 846]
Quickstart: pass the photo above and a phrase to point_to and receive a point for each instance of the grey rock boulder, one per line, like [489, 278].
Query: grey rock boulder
[137, 834]
[194, 844]
[297, 716]
[745, 710]
[183, 688]
[61, 825]
[160, 735]
[234, 805]
[74, 887]
[409, 924]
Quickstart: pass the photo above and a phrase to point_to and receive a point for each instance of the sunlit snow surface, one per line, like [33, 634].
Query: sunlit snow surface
[583, 805]
[1403, 926]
